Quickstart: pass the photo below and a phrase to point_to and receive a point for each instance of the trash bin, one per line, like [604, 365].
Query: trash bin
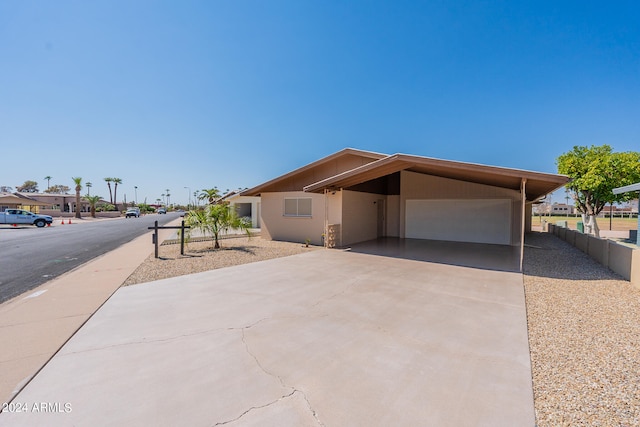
[580, 226]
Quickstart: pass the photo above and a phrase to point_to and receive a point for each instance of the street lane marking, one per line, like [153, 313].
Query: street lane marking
[35, 294]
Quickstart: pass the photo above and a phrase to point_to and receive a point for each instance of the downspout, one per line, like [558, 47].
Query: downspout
[523, 194]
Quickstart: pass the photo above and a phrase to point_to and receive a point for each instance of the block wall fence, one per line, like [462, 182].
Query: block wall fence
[621, 259]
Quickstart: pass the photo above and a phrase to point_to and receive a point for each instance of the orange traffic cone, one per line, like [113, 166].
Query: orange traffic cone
[62, 223]
[69, 220]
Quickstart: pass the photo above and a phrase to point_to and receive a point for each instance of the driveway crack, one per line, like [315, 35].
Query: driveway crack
[279, 378]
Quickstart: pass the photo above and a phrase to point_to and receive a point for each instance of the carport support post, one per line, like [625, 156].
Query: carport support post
[523, 193]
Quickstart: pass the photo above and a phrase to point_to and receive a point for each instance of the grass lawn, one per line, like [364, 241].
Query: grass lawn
[617, 224]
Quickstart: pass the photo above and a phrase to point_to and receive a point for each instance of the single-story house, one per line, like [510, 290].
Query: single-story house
[18, 200]
[353, 196]
[57, 204]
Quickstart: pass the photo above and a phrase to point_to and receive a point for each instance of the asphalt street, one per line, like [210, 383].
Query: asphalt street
[31, 256]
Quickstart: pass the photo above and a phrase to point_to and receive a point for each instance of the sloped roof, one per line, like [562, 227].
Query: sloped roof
[627, 188]
[272, 185]
[538, 183]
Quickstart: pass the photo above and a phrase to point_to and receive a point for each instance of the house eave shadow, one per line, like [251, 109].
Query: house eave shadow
[473, 255]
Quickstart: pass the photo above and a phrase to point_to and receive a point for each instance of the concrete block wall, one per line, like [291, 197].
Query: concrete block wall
[621, 259]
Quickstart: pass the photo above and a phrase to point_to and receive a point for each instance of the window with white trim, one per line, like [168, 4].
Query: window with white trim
[297, 206]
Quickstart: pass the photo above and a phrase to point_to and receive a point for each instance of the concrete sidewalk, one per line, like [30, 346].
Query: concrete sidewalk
[328, 338]
[35, 325]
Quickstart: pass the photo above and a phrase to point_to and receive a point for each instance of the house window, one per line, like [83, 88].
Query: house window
[297, 207]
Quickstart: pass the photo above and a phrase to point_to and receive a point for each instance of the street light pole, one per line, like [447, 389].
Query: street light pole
[189, 196]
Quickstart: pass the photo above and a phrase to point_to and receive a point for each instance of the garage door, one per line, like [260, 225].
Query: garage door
[479, 221]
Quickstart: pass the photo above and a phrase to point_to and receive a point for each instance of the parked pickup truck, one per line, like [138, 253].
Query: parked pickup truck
[19, 216]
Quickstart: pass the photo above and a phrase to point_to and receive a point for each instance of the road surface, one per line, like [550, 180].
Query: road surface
[31, 256]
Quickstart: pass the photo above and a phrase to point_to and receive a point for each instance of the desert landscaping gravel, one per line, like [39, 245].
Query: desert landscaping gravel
[200, 256]
[583, 320]
[584, 333]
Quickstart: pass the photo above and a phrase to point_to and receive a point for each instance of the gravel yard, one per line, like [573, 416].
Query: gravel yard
[584, 333]
[200, 256]
[583, 320]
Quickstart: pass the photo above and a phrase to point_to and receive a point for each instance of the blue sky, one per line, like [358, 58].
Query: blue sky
[175, 94]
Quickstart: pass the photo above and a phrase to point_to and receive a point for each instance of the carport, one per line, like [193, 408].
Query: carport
[414, 197]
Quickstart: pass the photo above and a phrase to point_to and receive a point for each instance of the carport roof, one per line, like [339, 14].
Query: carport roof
[538, 184]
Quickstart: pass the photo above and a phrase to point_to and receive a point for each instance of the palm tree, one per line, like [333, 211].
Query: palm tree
[78, 182]
[116, 181]
[216, 219]
[109, 181]
[48, 178]
[163, 199]
[92, 203]
[211, 195]
[88, 185]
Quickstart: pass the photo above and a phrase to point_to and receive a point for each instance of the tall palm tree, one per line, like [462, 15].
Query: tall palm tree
[88, 185]
[48, 178]
[78, 182]
[215, 220]
[116, 181]
[92, 203]
[109, 181]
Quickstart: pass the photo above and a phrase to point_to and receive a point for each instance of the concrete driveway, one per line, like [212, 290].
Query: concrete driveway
[327, 338]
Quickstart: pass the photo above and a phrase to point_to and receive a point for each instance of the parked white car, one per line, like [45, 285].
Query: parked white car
[19, 216]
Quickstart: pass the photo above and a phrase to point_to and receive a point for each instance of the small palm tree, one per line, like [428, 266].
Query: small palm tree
[210, 195]
[78, 182]
[48, 178]
[215, 220]
[88, 185]
[92, 203]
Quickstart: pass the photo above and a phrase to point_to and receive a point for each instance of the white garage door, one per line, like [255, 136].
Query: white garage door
[479, 221]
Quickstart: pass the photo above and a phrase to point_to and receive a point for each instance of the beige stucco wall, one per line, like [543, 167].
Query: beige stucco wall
[393, 216]
[276, 226]
[359, 216]
[419, 186]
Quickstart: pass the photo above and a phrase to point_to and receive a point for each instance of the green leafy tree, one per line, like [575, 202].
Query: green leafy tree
[595, 172]
[57, 189]
[215, 220]
[78, 182]
[93, 200]
[28, 187]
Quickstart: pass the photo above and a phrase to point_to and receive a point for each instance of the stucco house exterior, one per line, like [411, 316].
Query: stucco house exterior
[245, 206]
[354, 195]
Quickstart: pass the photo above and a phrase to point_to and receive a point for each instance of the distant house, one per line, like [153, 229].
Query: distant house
[562, 209]
[56, 204]
[353, 196]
